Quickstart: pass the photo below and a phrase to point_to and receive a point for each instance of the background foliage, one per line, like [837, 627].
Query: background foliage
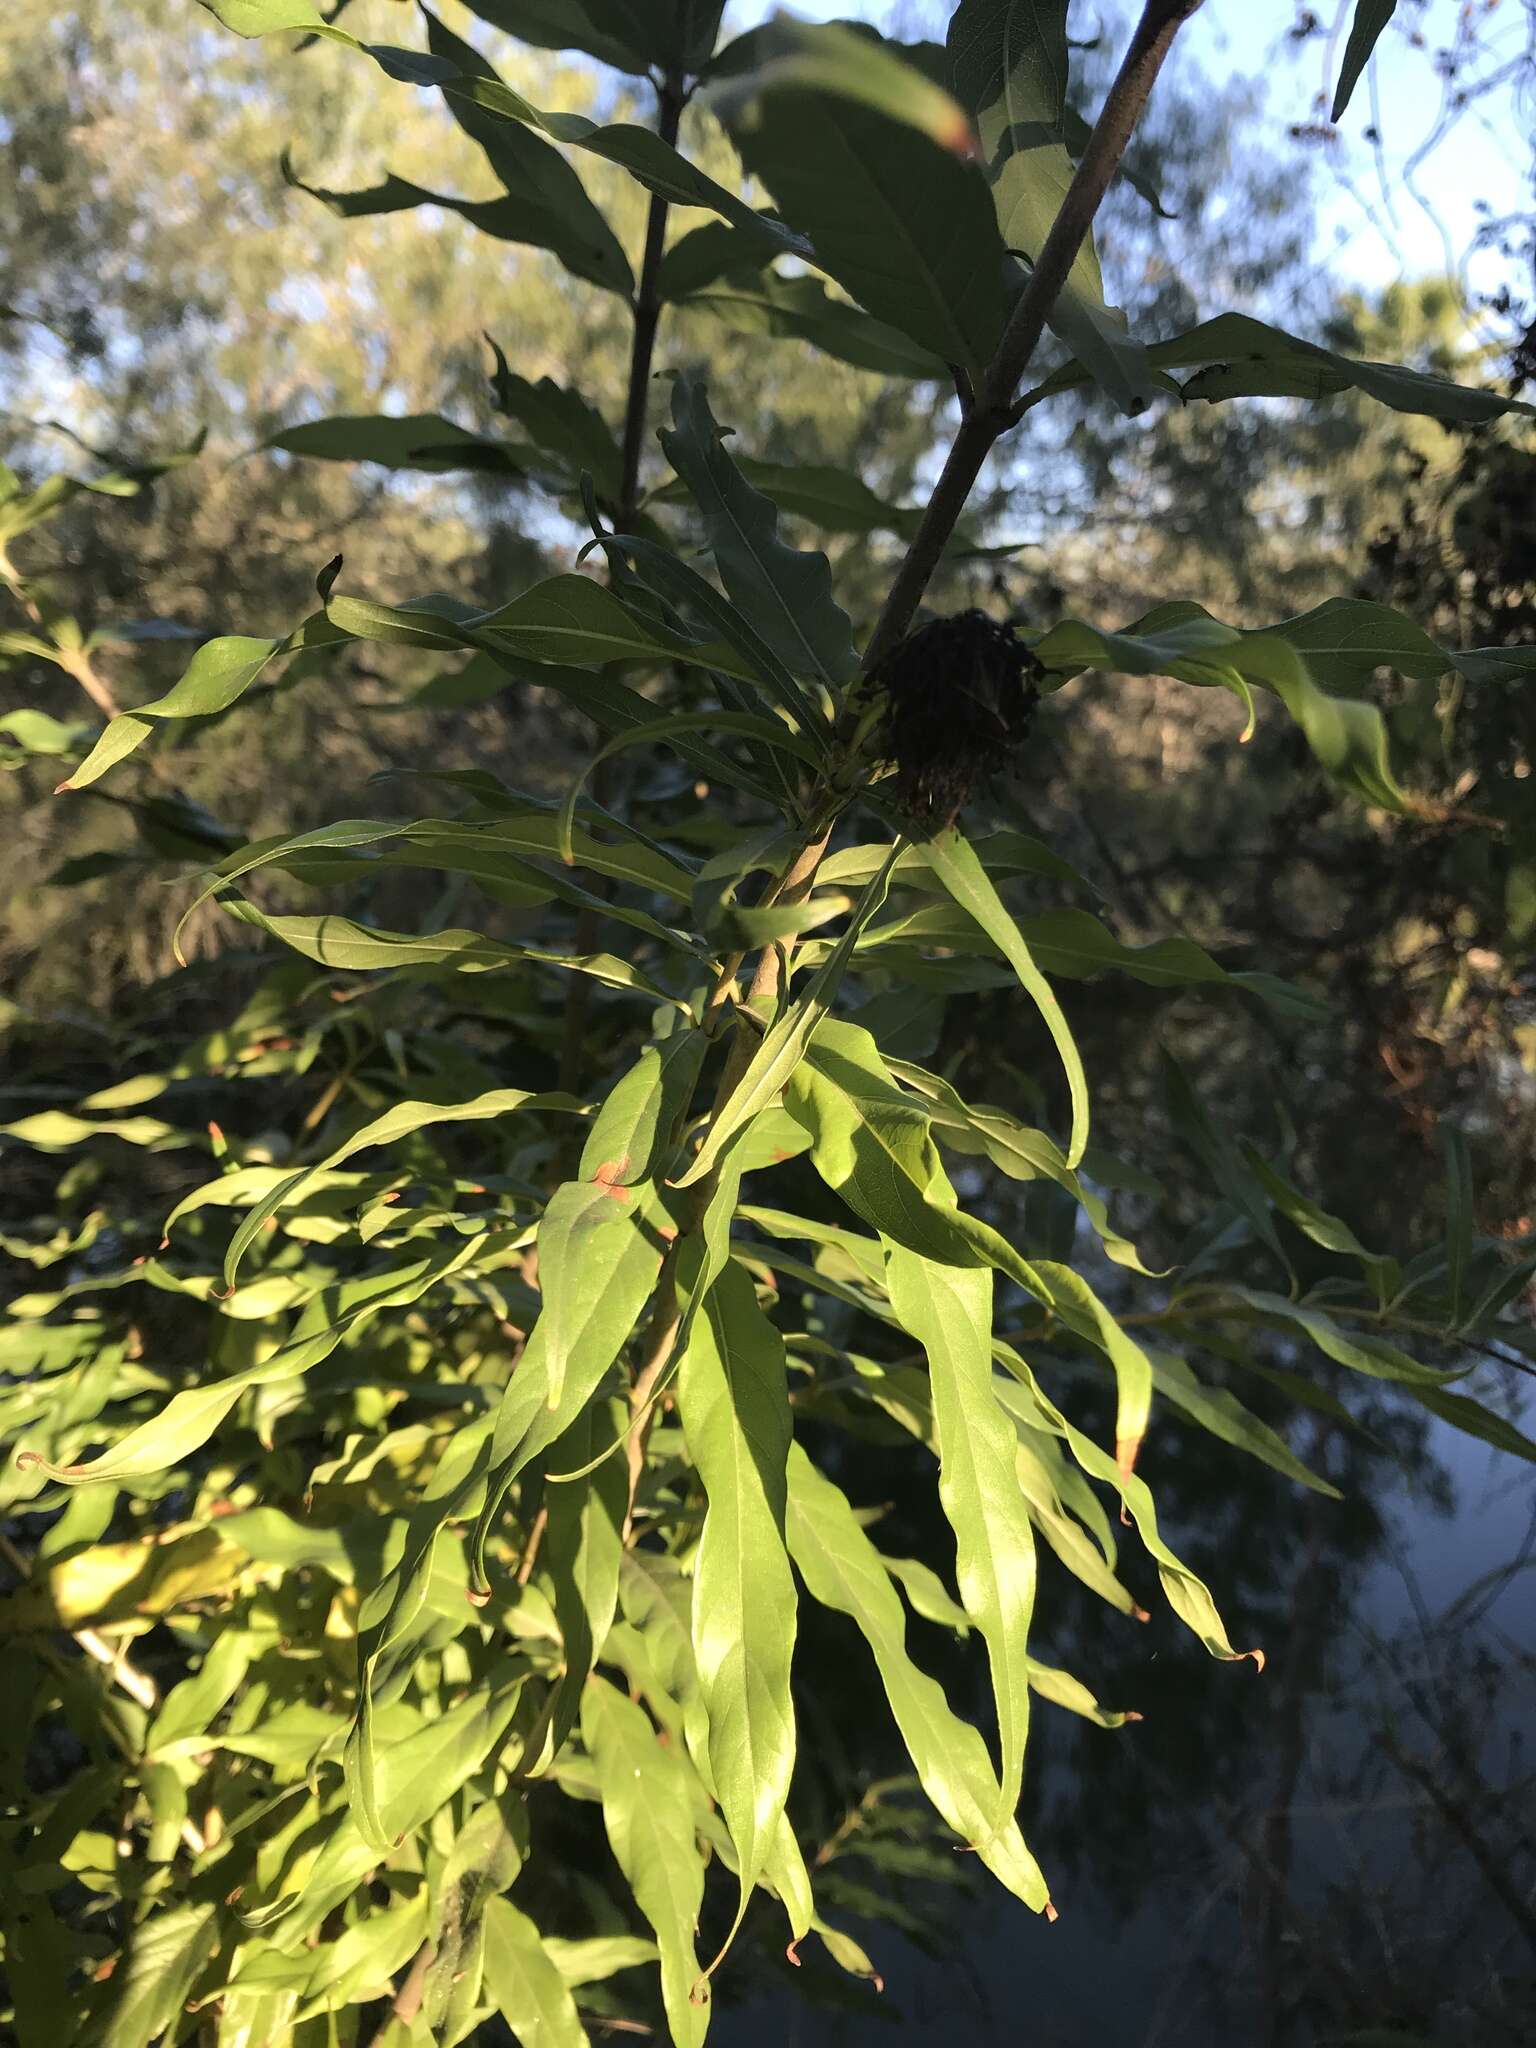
[278, 1780]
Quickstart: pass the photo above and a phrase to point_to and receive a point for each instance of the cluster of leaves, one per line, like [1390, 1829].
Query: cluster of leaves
[461, 1460]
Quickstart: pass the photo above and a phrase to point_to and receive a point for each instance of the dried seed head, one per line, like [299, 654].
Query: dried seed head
[960, 696]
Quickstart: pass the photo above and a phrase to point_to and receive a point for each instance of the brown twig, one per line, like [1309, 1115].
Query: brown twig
[406, 2002]
[74, 661]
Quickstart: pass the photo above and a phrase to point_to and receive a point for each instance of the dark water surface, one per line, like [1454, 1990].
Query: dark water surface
[1340, 1850]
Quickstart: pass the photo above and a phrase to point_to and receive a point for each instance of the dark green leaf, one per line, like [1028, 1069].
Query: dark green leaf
[1371, 17]
[786, 594]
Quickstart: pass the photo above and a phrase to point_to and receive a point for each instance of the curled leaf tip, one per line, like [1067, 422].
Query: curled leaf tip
[792, 1954]
[165, 1244]
[222, 1293]
[478, 1596]
[1257, 1656]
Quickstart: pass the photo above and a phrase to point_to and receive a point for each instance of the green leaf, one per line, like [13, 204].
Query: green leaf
[1187, 1594]
[544, 213]
[190, 1418]
[1009, 63]
[843, 1570]
[787, 594]
[649, 1815]
[784, 1043]
[151, 1985]
[573, 619]
[905, 227]
[1224, 1416]
[1458, 1215]
[734, 1407]
[633, 1133]
[218, 675]
[1063, 1690]
[583, 1547]
[423, 440]
[400, 1121]
[948, 1309]
[192, 1707]
[660, 570]
[953, 859]
[589, 1230]
[847, 63]
[412, 1779]
[544, 187]
[561, 423]
[769, 732]
[1236, 356]
[711, 251]
[564, 25]
[339, 942]
[589, 1311]
[522, 1976]
[1371, 17]
[801, 309]
[1017, 1150]
[1316, 1223]
[1347, 736]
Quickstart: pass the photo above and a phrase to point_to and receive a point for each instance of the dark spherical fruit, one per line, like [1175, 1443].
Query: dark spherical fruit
[960, 695]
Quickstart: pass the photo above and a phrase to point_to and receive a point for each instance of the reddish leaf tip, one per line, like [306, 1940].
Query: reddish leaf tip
[1051, 1913]
[478, 1596]
[61, 787]
[792, 1954]
[1140, 1614]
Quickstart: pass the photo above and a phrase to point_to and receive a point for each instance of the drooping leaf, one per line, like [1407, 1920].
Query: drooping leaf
[543, 213]
[648, 1813]
[219, 674]
[1236, 356]
[734, 1408]
[954, 861]
[843, 1570]
[802, 309]
[583, 1547]
[948, 1309]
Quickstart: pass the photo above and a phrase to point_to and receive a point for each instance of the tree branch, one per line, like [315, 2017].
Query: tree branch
[991, 415]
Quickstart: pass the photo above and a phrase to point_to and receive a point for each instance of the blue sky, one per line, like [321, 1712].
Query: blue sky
[1366, 236]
